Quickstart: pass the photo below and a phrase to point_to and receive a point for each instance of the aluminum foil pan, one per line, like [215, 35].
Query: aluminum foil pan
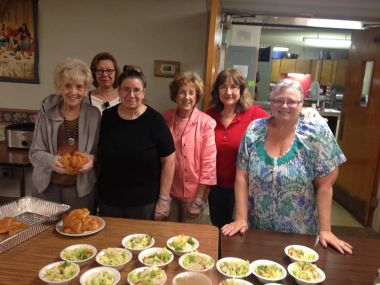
[37, 213]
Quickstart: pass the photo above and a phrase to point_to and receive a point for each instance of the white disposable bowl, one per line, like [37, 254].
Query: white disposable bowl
[79, 262]
[305, 282]
[152, 250]
[303, 248]
[231, 260]
[93, 271]
[233, 281]
[181, 252]
[136, 250]
[182, 258]
[41, 274]
[118, 266]
[195, 278]
[157, 282]
[263, 279]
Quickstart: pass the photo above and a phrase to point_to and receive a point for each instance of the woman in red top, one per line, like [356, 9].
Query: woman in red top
[233, 111]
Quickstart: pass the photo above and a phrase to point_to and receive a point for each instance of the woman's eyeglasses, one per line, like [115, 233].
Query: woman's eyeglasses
[288, 102]
[135, 91]
[233, 88]
[100, 71]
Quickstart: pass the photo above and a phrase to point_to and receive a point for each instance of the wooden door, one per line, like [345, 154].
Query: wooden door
[359, 136]
[215, 34]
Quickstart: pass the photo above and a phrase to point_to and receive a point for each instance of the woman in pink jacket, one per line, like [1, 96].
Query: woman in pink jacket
[195, 156]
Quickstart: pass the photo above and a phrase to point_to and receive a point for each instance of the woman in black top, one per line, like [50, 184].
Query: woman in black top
[136, 155]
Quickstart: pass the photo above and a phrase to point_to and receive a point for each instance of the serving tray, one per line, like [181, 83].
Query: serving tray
[38, 214]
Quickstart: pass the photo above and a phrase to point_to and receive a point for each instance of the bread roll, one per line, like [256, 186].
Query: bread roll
[73, 162]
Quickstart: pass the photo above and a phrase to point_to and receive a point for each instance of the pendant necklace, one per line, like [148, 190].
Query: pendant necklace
[71, 137]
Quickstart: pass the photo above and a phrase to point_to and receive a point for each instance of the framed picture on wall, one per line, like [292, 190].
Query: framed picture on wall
[18, 41]
[166, 68]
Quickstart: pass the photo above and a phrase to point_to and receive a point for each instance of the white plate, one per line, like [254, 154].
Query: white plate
[183, 257]
[59, 228]
[152, 250]
[117, 249]
[232, 260]
[181, 252]
[321, 274]
[96, 270]
[305, 249]
[263, 279]
[233, 281]
[75, 246]
[195, 278]
[41, 274]
[136, 250]
[157, 282]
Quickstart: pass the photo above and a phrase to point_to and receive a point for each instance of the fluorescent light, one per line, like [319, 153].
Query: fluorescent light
[327, 42]
[280, 49]
[336, 24]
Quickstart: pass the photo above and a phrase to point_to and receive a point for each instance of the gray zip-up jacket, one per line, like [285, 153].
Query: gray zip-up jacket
[44, 145]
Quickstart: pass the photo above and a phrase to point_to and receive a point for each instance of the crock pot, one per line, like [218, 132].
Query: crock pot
[19, 135]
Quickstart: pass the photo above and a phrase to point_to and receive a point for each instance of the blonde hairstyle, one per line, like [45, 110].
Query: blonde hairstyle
[185, 79]
[286, 84]
[72, 69]
[237, 78]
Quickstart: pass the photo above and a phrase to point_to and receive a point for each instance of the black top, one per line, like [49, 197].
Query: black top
[129, 155]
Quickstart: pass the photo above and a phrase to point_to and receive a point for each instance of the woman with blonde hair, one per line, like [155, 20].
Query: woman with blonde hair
[195, 156]
[66, 124]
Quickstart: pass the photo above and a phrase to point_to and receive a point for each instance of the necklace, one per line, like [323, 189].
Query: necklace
[71, 137]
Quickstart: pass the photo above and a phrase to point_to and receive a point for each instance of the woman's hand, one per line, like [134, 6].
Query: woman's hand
[239, 225]
[162, 208]
[57, 165]
[195, 208]
[327, 237]
[89, 165]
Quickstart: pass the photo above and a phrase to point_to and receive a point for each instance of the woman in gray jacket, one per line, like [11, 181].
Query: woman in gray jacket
[66, 124]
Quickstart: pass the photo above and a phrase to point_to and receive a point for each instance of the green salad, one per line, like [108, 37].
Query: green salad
[300, 254]
[114, 256]
[148, 276]
[159, 257]
[235, 268]
[182, 243]
[101, 278]
[61, 272]
[197, 262]
[305, 271]
[139, 241]
[78, 254]
[269, 271]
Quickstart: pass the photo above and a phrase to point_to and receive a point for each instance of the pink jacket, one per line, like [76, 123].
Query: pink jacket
[196, 164]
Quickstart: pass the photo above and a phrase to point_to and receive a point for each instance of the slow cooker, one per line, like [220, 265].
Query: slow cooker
[19, 135]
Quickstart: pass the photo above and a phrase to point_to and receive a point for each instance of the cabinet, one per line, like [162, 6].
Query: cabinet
[276, 74]
[329, 71]
[326, 72]
[287, 65]
[302, 66]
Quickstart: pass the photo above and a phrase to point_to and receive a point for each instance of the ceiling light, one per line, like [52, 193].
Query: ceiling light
[336, 24]
[327, 42]
[280, 49]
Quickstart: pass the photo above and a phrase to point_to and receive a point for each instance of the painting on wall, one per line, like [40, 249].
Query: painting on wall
[18, 41]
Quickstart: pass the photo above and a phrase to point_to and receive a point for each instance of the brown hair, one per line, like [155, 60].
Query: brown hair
[131, 71]
[237, 77]
[95, 61]
[184, 79]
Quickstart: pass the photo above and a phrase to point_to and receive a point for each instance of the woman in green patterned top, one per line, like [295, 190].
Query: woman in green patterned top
[286, 168]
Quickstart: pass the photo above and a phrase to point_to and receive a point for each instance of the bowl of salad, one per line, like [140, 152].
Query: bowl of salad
[196, 261]
[156, 256]
[233, 267]
[81, 254]
[100, 275]
[301, 253]
[267, 271]
[306, 273]
[191, 278]
[182, 244]
[137, 242]
[233, 281]
[60, 272]
[147, 276]
[115, 257]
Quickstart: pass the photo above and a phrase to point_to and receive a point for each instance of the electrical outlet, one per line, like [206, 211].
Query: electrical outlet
[6, 173]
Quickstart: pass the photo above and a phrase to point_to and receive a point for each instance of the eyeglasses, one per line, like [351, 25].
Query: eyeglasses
[288, 102]
[135, 91]
[233, 88]
[101, 71]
